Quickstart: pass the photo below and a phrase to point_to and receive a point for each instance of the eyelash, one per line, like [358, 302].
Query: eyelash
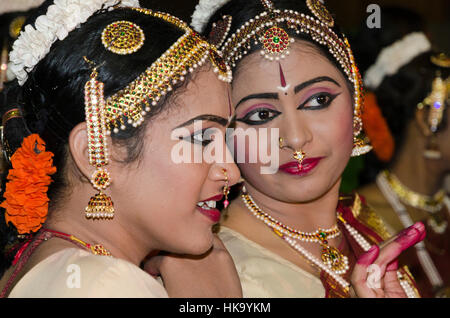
[203, 142]
[246, 119]
[330, 97]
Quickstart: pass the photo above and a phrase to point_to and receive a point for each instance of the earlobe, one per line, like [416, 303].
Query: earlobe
[78, 145]
[421, 122]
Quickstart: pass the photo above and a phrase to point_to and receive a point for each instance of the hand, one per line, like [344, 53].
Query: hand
[210, 275]
[386, 260]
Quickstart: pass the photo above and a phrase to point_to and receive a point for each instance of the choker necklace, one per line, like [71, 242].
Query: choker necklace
[331, 256]
[430, 204]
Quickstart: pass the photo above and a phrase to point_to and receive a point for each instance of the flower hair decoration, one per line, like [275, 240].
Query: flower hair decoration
[63, 16]
[396, 55]
[26, 200]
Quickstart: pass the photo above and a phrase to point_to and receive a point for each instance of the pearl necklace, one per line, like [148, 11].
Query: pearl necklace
[331, 256]
[311, 259]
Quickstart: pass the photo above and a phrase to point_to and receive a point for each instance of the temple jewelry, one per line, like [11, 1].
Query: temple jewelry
[299, 155]
[100, 205]
[436, 101]
[265, 29]
[220, 30]
[320, 11]
[226, 189]
[331, 256]
[123, 37]
[430, 204]
[280, 143]
[6, 149]
[424, 257]
[188, 53]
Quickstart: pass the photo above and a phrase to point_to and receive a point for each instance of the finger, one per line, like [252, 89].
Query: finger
[359, 274]
[402, 241]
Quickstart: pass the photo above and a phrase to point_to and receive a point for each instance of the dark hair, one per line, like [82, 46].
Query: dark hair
[398, 94]
[242, 11]
[52, 99]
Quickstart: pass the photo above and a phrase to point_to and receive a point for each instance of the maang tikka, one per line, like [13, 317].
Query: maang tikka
[100, 206]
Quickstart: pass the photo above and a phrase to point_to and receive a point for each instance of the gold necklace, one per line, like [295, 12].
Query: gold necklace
[330, 256]
[407, 196]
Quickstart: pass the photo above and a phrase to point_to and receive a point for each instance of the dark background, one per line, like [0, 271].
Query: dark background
[350, 14]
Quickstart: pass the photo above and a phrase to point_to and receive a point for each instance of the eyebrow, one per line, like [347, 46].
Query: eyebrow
[217, 119]
[297, 89]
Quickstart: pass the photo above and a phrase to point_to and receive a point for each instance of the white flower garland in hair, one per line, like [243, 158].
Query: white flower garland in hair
[62, 17]
[204, 10]
[393, 57]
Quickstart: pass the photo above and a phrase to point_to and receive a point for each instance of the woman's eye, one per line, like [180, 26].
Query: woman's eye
[318, 101]
[202, 137]
[259, 116]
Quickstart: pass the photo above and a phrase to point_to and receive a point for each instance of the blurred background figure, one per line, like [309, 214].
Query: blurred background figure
[12, 17]
[406, 118]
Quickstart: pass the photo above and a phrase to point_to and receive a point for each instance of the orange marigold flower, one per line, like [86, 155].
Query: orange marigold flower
[376, 128]
[26, 200]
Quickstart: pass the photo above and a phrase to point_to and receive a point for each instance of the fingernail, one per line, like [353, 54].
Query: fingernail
[421, 228]
[369, 257]
[408, 237]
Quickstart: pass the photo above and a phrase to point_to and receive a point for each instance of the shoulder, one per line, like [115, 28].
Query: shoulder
[74, 272]
[264, 274]
[366, 215]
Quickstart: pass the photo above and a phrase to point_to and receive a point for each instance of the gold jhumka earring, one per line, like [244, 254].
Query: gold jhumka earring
[100, 205]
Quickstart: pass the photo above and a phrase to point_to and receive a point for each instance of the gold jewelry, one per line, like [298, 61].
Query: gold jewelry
[331, 256]
[188, 53]
[13, 113]
[16, 26]
[220, 30]
[280, 143]
[123, 37]
[265, 29]
[441, 60]
[299, 155]
[320, 11]
[407, 196]
[226, 189]
[100, 206]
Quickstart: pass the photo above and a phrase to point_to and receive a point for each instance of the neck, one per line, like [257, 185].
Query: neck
[427, 176]
[303, 216]
[113, 235]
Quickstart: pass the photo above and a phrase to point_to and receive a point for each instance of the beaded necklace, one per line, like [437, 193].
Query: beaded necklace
[281, 230]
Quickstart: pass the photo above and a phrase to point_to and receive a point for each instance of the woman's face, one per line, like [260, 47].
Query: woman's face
[306, 98]
[159, 197]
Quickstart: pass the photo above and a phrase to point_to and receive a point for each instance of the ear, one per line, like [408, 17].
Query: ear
[78, 145]
[421, 122]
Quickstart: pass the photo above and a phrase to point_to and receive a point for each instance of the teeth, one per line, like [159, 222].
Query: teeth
[207, 204]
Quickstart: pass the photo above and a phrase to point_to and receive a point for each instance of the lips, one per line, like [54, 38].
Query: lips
[208, 208]
[307, 165]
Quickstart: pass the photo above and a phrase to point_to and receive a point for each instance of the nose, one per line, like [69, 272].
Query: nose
[295, 132]
[227, 170]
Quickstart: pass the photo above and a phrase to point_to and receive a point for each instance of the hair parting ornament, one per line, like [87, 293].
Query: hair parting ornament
[265, 29]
